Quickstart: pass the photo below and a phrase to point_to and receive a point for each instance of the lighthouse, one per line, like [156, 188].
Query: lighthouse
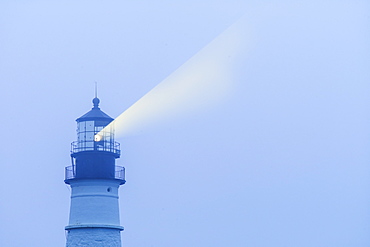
[94, 179]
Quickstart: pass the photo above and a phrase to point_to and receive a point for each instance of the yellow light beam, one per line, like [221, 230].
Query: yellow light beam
[200, 82]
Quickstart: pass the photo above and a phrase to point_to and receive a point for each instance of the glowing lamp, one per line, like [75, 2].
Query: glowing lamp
[98, 138]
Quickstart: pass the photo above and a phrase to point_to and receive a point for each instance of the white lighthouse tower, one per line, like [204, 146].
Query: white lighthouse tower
[94, 179]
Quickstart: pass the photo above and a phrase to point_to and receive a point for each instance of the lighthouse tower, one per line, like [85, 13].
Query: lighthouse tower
[94, 179]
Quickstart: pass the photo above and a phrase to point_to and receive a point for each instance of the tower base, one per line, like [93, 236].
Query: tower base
[94, 237]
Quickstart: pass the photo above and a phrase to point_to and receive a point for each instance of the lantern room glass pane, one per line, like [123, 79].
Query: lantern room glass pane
[89, 125]
[98, 129]
[89, 136]
[81, 127]
[81, 137]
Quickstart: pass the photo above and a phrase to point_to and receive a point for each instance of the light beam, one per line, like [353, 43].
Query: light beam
[200, 82]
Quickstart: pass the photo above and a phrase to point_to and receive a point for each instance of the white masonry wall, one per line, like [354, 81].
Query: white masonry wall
[94, 214]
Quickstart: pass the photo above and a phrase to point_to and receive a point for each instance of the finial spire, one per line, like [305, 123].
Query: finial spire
[96, 100]
[96, 89]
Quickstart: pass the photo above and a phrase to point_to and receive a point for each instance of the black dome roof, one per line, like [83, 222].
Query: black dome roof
[95, 113]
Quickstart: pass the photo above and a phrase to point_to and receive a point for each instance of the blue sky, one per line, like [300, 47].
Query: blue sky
[284, 161]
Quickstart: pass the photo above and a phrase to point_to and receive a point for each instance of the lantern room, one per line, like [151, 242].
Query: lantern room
[90, 133]
[94, 153]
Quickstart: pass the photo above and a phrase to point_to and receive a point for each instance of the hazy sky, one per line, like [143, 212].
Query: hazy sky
[284, 161]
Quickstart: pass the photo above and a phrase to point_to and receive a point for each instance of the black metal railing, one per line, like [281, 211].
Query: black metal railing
[113, 147]
[70, 173]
